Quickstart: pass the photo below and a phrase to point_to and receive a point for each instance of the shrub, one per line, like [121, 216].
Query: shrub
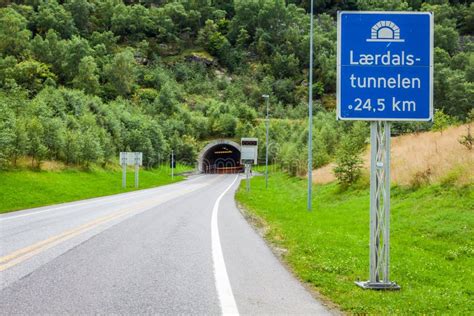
[421, 178]
[348, 163]
[348, 155]
[467, 140]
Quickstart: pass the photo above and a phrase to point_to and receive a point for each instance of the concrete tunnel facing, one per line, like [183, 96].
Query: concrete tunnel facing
[220, 156]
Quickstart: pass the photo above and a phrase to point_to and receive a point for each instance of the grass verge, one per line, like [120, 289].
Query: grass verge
[432, 248]
[23, 188]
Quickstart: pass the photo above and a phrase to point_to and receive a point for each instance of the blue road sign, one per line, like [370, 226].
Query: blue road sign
[385, 66]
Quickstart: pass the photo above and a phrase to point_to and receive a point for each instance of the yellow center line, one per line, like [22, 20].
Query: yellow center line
[25, 253]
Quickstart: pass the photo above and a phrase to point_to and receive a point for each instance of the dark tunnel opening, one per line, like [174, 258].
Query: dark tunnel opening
[221, 158]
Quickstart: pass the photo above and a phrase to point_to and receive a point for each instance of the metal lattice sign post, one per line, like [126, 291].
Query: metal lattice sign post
[379, 207]
[384, 73]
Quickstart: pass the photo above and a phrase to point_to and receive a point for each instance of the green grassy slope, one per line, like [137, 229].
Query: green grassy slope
[432, 246]
[22, 189]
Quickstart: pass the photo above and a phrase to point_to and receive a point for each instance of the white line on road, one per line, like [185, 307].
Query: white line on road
[224, 290]
[22, 254]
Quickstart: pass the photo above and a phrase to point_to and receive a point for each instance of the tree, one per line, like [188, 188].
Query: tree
[467, 22]
[216, 43]
[467, 140]
[72, 147]
[36, 150]
[325, 56]
[106, 40]
[224, 125]
[32, 75]
[184, 149]
[166, 102]
[292, 157]
[243, 39]
[52, 15]
[49, 50]
[7, 134]
[107, 146]
[87, 78]
[183, 19]
[131, 21]
[383, 5]
[446, 37]
[74, 51]
[80, 11]
[165, 28]
[452, 92]
[7, 66]
[121, 74]
[20, 141]
[102, 17]
[284, 66]
[348, 162]
[138, 140]
[90, 148]
[441, 121]
[320, 151]
[348, 155]
[158, 142]
[470, 68]
[284, 90]
[53, 138]
[460, 95]
[14, 35]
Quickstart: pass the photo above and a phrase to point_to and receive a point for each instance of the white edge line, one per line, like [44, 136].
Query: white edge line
[223, 287]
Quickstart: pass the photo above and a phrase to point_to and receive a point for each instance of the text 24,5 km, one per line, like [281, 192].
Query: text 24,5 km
[380, 105]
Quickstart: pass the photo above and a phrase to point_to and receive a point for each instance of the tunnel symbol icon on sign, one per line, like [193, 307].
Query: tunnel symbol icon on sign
[385, 31]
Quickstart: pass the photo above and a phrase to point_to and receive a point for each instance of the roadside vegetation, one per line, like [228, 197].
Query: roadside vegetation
[20, 189]
[434, 157]
[82, 80]
[432, 249]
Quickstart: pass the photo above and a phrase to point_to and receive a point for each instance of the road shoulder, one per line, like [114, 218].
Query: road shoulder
[260, 227]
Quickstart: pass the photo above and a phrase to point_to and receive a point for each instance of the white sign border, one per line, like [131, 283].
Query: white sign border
[338, 81]
[137, 155]
[255, 147]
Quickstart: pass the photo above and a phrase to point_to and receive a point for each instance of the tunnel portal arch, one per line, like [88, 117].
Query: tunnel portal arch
[220, 156]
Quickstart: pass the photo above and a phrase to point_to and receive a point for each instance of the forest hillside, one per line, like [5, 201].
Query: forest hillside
[81, 80]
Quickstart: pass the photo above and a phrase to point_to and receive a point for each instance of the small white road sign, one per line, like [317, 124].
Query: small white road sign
[249, 150]
[131, 158]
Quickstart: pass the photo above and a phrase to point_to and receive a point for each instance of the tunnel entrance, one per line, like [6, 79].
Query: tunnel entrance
[221, 156]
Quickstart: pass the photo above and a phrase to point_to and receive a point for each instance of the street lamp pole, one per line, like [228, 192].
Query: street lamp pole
[266, 97]
[172, 164]
[310, 119]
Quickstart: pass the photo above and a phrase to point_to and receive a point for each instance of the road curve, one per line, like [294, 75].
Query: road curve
[177, 249]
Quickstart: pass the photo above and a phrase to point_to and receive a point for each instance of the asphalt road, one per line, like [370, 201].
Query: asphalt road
[178, 249]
